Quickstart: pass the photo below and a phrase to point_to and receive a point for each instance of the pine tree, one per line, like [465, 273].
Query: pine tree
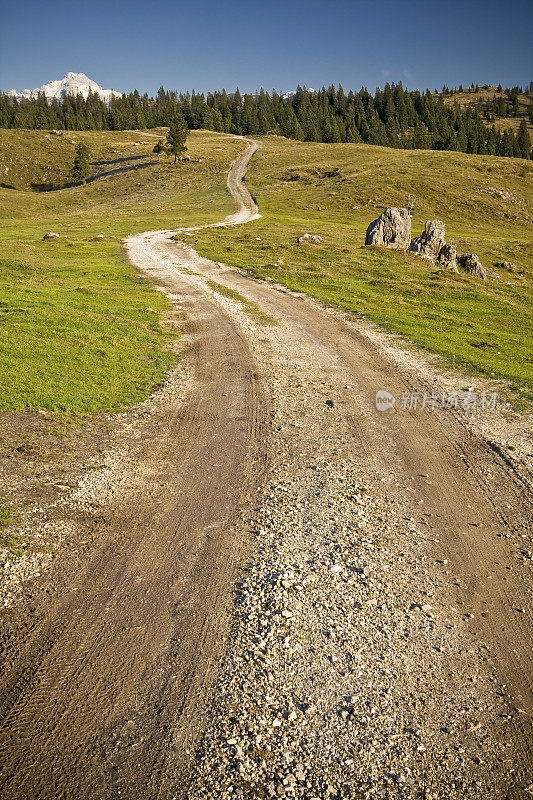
[206, 118]
[81, 169]
[507, 144]
[352, 134]
[177, 136]
[523, 140]
[290, 126]
[160, 147]
[421, 138]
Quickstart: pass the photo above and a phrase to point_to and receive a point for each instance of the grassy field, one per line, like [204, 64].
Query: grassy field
[80, 331]
[336, 190]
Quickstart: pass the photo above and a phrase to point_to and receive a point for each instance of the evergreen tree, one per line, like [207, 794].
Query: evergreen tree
[507, 144]
[177, 136]
[523, 140]
[81, 168]
[290, 127]
[421, 138]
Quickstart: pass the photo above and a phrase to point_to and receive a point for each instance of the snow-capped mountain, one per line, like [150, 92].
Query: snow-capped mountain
[288, 95]
[73, 83]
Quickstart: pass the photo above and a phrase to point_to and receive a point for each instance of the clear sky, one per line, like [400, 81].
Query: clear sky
[212, 44]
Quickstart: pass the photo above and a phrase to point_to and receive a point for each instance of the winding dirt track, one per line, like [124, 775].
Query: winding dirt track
[104, 691]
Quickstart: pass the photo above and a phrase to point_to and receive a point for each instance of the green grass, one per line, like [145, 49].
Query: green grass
[250, 308]
[75, 332]
[336, 190]
[6, 515]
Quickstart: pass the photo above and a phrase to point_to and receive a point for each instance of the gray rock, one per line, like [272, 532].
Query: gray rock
[447, 257]
[309, 238]
[471, 263]
[509, 266]
[431, 240]
[50, 235]
[391, 229]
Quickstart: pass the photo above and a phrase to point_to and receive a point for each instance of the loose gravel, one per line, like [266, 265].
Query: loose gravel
[348, 672]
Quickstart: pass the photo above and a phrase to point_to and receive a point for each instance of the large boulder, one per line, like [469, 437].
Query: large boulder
[471, 263]
[447, 257]
[431, 240]
[391, 229]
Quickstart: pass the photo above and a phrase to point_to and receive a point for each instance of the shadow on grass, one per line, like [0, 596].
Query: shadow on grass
[49, 187]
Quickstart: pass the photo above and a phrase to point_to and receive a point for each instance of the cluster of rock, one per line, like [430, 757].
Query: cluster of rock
[393, 229]
[431, 241]
[471, 263]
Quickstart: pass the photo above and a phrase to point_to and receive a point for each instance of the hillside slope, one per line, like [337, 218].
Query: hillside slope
[501, 107]
[337, 190]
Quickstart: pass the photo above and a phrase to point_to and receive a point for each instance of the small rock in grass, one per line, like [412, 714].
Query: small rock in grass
[309, 238]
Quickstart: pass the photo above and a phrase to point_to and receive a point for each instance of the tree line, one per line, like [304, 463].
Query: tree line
[391, 117]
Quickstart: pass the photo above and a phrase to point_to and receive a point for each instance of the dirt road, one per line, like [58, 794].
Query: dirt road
[107, 688]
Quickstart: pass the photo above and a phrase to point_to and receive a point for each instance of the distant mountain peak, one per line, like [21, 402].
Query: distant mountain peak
[288, 95]
[72, 83]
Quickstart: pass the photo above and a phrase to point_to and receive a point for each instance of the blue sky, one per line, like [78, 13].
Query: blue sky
[210, 45]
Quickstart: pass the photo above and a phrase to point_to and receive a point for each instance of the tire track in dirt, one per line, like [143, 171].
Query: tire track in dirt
[102, 687]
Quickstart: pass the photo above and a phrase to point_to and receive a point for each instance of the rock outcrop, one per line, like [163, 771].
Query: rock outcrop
[431, 244]
[431, 240]
[471, 263]
[447, 257]
[391, 229]
[309, 238]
